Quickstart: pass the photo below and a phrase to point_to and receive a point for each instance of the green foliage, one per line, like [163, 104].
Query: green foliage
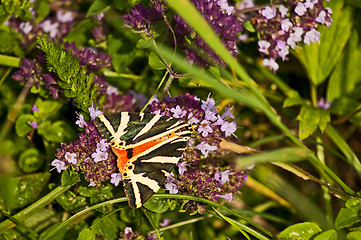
[75, 80]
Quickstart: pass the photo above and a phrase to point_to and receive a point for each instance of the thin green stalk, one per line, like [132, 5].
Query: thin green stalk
[8, 71]
[9, 61]
[150, 99]
[151, 223]
[32, 209]
[179, 224]
[171, 196]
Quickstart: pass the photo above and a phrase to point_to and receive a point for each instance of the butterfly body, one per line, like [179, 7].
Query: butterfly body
[147, 147]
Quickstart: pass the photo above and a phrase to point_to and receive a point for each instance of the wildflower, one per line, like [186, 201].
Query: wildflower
[322, 103]
[51, 28]
[165, 222]
[70, 157]
[59, 165]
[263, 46]
[116, 178]
[26, 27]
[128, 230]
[205, 128]
[178, 112]
[81, 122]
[33, 125]
[64, 17]
[102, 145]
[222, 177]
[92, 184]
[35, 108]
[182, 167]
[99, 156]
[112, 90]
[227, 196]
[171, 187]
[227, 113]
[312, 36]
[269, 12]
[94, 112]
[271, 63]
[205, 148]
[300, 9]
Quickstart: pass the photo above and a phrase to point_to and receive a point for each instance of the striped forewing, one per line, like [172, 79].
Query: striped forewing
[146, 171]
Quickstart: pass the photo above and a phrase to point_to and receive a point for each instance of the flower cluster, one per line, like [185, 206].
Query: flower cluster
[287, 25]
[90, 154]
[225, 25]
[129, 234]
[203, 172]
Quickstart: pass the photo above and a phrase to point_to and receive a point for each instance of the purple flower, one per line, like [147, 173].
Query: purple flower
[64, 17]
[210, 116]
[70, 157]
[209, 104]
[227, 196]
[51, 28]
[59, 165]
[35, 108]
[227, 113]
[205, 148]
[205, 128]
[283, 10]
[322, 103]
[312, 36]
[171, 187]
[269, 12]
[128, 230]
[112, 90]
[165, 222]
[94, 112]
[33, 125]
[229, 128]
[271, 63]
[222, 177]
[81, 122]
[263, 46]
[300, 9]
[99, 156]
[116, 178]
[178, 112]
[182, 167]
[102, 145]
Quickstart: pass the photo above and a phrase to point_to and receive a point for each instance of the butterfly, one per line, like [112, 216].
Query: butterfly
[147, 147]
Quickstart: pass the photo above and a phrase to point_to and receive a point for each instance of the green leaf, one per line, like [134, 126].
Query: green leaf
[155, 62]
[122, 50]
[70, 201]
[249, 26]
[22, 126]
[291, 154]
[81, 33]
[42, 10]
[320, 59]
[107, 227]
[86, 234]
[5, 43]
[47, 108]
[328, 235]
[300, 231]
[157, 205]
[354, 236]
[27, 189]
[31, 160]
[310, 118]
[143, 44]
[346, 76]
[293, 99]
[98, 6]
[347, 217]
[57, 132]
[69, 178]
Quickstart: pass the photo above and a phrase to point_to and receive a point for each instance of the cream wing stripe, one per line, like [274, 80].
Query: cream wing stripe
[124, 120]
[162, 159]
[148, 126]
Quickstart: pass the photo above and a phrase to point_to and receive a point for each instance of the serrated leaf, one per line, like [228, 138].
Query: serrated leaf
[157, 205]
[300, 231]
[347, 217]
[320, 59]
[22, 126]
[143, 44]
[310, 118]
[86, 234]
[155, 62]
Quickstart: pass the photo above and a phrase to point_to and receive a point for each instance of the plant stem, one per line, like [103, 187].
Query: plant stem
[9, 61]
[32, 209]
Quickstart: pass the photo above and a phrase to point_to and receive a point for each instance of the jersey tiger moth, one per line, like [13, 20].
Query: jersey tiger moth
[147, 147]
